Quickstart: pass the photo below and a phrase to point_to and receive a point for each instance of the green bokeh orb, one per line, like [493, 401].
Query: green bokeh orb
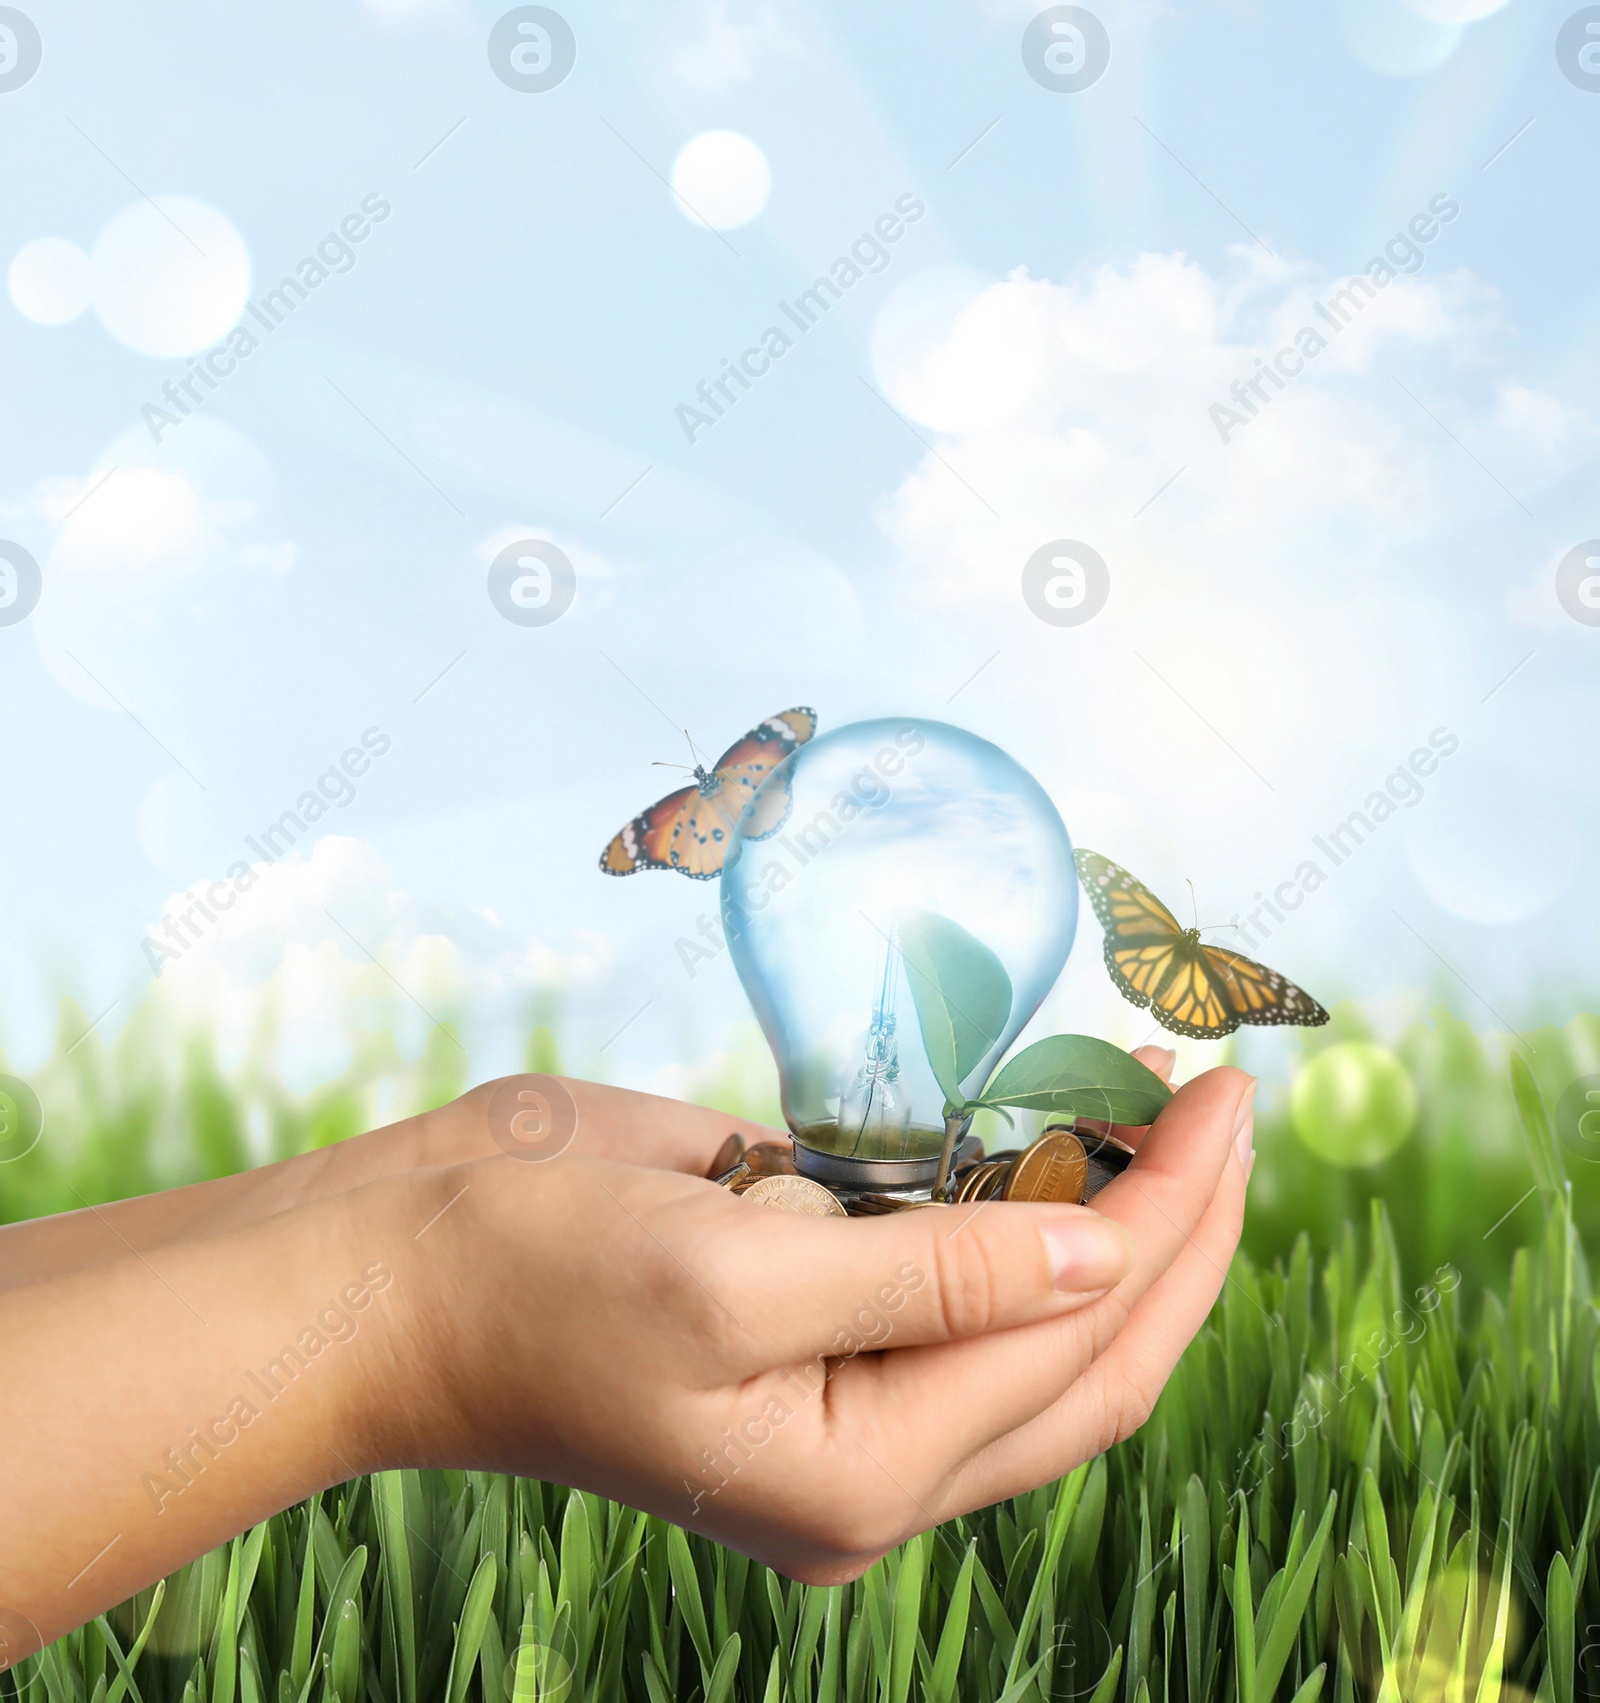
[1353, 1104]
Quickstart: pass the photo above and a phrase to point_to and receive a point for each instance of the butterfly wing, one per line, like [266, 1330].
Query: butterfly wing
[786, 729]
[744, 766]
[1255, 994]
[1127, 909]
[700, 837]
[646, 842]
[1145, 952]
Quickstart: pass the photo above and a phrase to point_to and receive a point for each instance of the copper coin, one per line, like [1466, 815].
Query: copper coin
[1055, 1168]
[1108, 1159]
[874, 1205]
[981, 1181]
[771, 1158]
[795, 1194]
[728, 1155]
[993, 1186]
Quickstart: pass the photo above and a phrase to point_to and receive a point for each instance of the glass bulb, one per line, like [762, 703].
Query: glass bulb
[850, 844]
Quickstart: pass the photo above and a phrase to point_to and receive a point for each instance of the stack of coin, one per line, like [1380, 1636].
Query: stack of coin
[751, 1164]
[1107, 1158]
[1064, 1164]
[985, 1180]
[1054, 1168]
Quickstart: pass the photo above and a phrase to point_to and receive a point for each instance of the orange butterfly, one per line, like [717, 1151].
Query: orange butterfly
[1196, 990]
[689, 829]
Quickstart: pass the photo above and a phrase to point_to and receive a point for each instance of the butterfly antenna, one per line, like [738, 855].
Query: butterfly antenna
[659, 764]
[1194, 903]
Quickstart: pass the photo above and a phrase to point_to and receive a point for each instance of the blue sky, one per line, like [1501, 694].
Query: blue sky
[1292, 610]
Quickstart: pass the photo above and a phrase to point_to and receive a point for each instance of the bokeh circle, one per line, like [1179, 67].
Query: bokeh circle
[1353, 1104]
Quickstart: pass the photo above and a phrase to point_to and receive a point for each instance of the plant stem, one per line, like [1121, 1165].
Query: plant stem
[952, 1133]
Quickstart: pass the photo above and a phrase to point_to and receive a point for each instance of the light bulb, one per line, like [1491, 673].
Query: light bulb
[852, 843]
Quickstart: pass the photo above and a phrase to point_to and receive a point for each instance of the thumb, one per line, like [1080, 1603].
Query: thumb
[938, 1274]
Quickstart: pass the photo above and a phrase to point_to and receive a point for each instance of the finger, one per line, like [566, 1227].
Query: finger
[1159, 1059]
[649, 1129]
[1117, 1390]
[584, 1118]
[825, 1287]
[1162, 1199]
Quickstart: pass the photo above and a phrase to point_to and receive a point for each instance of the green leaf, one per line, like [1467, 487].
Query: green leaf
[1312, 1689]
[719, 1688]
[1244, 1611]
[1107, 1687]
[1280, 1637]
[1066, 1505]
[953, 1638]
[1541, 1138]
[1559, 1629]
[1081, 1077]
[469, 1633]
[691, 1605]
[388, 1504]
[126, 1664]
[962, 994]
[903, 1624]
[345, 1664]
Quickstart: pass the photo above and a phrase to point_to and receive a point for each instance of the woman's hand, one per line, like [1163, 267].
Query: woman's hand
[810, 1391]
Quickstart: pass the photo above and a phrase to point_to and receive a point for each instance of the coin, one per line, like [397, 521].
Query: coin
[1055, 1168]
[983, 1182]
[1108, 1159]
[728, 1155]
[795, 1194]
[771, 1158]
[871, 1205]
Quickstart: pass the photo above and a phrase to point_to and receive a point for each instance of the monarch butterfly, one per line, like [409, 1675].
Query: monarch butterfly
[1193, 989]
[689, 829]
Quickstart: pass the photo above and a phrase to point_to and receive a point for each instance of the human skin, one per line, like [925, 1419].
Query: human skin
[810, 1391]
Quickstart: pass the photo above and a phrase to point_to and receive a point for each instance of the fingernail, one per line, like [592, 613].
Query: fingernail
[1249, 1165]
[1168, 1057]
[1087, 1252]
[1244, 1123]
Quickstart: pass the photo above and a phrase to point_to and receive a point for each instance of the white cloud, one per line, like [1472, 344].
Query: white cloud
[595, 573]
[134, 531]
[297, 940]
[1069, 405]
[717, 45]
[1295, 609]
[414, 11]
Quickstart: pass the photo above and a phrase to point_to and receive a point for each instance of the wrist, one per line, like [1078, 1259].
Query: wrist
[412, 1405]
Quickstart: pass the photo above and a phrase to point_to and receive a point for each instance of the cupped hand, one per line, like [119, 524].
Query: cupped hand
[809, 1391]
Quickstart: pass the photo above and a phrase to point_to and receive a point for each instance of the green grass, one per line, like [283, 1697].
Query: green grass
[1354, 1486]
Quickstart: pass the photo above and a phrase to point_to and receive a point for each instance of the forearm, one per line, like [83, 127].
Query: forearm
[128, 1229]
[160, 1405]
